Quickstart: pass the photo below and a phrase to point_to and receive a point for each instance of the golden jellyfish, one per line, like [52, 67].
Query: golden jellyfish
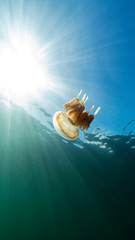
[68, 123]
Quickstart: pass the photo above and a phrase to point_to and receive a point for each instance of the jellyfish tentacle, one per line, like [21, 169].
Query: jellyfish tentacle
[75, 108]
[91, 109]
[87, 121]
[98, 109]
[86, 100]
[82, 100]
[72, 107]
[79, 93]
[75, 113]
[71, 103]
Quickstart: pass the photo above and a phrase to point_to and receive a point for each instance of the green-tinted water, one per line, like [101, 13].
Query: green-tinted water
[52, 189]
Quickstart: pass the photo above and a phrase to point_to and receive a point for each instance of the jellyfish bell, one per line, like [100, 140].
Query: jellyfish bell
[64, 127]
[68, 123]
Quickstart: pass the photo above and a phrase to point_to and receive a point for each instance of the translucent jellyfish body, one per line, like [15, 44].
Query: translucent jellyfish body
[68, 123]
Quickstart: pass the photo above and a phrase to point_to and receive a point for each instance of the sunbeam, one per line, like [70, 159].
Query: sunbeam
[22, 72]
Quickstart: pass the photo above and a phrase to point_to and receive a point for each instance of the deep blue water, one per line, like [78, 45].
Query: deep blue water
[55, 189]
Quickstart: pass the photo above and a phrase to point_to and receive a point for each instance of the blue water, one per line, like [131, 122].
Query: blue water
[51, 188]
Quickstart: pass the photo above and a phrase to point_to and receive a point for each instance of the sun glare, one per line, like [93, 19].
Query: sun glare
[21, 71]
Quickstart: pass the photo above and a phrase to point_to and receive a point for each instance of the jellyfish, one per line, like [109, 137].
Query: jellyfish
[67, 123]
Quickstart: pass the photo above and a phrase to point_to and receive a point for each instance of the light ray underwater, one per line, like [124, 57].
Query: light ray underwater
[67, 156]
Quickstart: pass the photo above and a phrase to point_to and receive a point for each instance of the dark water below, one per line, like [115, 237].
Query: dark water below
[52, 189]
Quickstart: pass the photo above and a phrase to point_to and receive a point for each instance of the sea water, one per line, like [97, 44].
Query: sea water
[51, 188]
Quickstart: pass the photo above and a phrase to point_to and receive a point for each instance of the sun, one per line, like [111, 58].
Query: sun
[21, 70]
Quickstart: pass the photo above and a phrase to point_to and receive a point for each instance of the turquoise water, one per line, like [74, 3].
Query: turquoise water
[55, 189]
